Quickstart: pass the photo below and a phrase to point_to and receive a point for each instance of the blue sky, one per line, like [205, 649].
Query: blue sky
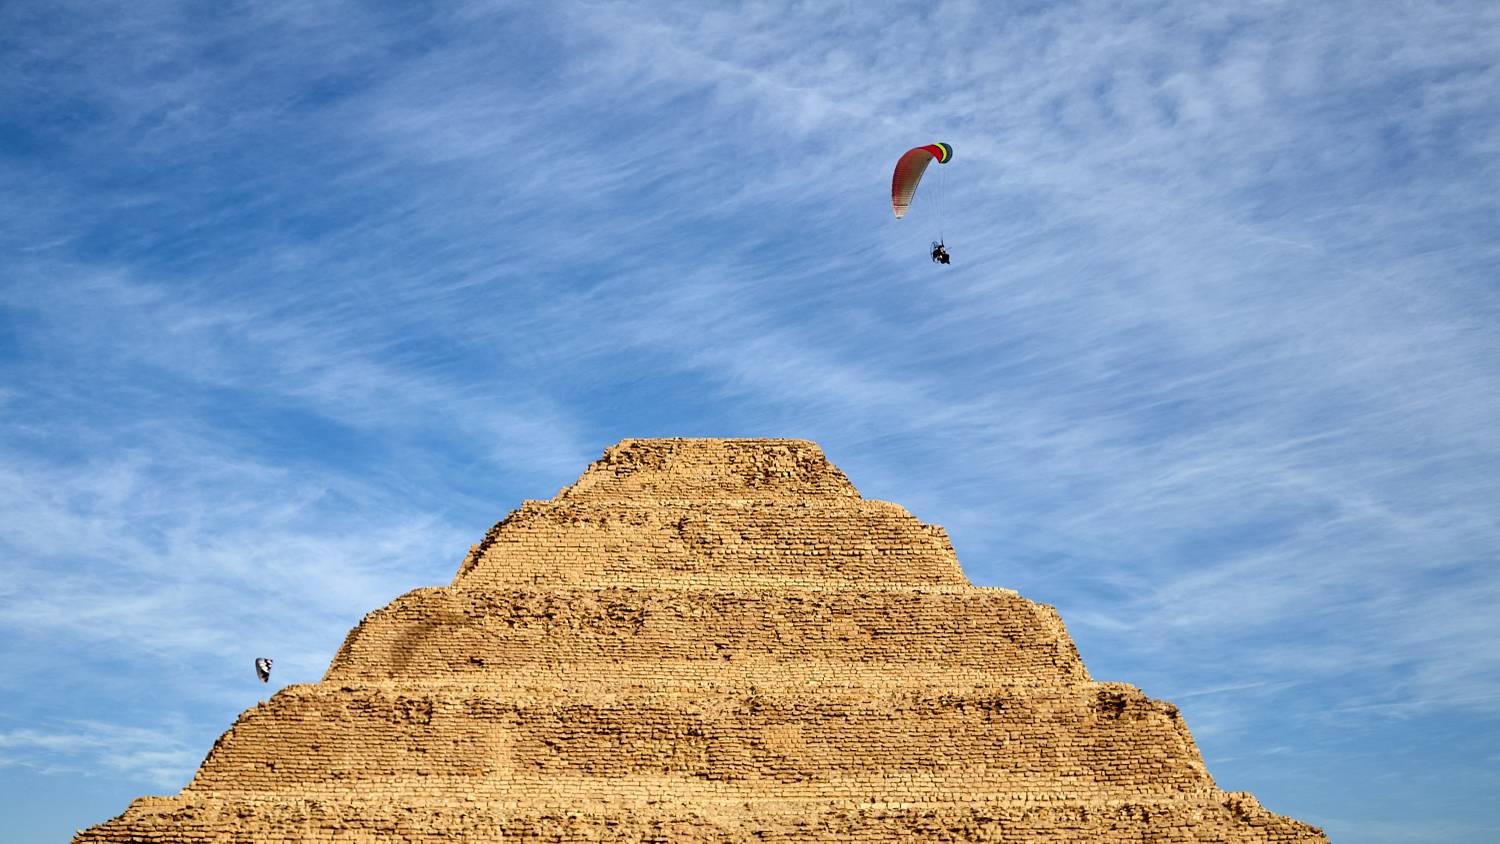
[298, 299]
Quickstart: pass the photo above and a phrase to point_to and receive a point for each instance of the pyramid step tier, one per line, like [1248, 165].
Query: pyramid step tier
[1231, 817]
[1086, 738]
[712, 469]
[447, 633]
[608, 679]
[854, 541]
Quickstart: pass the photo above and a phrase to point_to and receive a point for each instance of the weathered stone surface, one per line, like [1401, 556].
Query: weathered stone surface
[707, 640]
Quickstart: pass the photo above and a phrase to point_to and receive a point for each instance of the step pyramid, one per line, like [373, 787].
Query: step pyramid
[707, 640]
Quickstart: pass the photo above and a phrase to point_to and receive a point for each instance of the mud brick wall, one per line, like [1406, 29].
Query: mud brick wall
[707, 640]
[714, 545]
[468, 634]
[1089, 740]
[711, 470]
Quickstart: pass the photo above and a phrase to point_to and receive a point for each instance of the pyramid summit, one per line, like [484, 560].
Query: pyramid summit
[707, 640]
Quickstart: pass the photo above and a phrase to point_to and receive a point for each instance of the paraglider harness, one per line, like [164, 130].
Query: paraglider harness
[939, 253]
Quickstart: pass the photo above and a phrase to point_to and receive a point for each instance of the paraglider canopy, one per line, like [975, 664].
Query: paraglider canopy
[909, 170]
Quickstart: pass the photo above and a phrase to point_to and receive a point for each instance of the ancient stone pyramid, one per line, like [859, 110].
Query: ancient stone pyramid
[707, 640]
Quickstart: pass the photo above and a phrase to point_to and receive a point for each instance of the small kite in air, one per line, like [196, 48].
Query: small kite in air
[263, 669]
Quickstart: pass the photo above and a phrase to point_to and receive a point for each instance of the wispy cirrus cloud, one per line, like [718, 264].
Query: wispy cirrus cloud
[308, 296]
[155, 755]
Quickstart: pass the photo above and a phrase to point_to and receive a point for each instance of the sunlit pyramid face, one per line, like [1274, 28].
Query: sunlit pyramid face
[706, 640]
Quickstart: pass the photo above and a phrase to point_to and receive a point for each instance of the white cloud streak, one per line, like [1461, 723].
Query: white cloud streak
[158, 756]
[1213, 371]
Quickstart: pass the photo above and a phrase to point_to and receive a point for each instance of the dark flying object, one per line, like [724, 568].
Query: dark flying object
[263, 669]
